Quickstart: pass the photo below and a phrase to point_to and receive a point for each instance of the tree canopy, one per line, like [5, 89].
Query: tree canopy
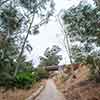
[83, 29]
[51, 56]
[17, 19]
[83, 26]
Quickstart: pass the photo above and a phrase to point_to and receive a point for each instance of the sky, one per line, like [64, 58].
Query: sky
[51, 34]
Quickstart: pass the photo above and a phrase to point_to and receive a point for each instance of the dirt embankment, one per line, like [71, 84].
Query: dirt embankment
[80, 88]
[19, 94]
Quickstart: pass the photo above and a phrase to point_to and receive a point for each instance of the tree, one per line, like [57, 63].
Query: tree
[77, 54]
[51, 56]
[66, 38]
[8, 44]
[84, 33]
[81, 26]
[97, 3]
[17, 18]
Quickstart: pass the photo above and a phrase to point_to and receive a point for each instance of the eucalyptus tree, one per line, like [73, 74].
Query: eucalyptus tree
[17, 22]
[82, 28]
[9, 24]
[83, 25]
[36, 8]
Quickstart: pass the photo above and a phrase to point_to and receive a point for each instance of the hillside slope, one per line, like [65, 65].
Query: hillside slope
[80, 88]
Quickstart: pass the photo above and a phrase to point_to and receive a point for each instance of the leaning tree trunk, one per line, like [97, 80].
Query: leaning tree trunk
[67, 47]
[23, 46]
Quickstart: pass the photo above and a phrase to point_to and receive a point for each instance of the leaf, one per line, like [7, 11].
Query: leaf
[36, 31]
[29, 48]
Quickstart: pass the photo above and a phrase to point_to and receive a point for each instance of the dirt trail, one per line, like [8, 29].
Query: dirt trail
[50, 92]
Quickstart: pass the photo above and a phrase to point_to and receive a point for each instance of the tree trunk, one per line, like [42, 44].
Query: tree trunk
[23, 46]
[68, 45]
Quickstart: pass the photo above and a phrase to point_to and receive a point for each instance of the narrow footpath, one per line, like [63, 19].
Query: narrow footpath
[50, 92]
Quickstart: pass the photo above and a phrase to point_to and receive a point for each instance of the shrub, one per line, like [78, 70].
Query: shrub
[94, 66]
[25, 79]
[42, 73]
[94, 74]
[6, 80]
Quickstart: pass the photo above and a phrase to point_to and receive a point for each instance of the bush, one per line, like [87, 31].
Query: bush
[94, 74]
[6, 80]
[42, 73]
[94, 66]
[26, 79]
[23, 79]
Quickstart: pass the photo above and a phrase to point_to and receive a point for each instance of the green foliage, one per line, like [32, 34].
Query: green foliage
[94, 65]
[6, 80]
[25, 79]
[16, 20]
[7, 57]
[83, 25]
[22, 80]
[81, 21]
[77, 55]
[26, 66]
[42, 73]
[51, 56]
[9, 51]
[9, 19]
[97, 3]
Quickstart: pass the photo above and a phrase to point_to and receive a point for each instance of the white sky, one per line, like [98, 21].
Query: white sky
[50, 34]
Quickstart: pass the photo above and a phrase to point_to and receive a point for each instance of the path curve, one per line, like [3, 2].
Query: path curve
[50, 92]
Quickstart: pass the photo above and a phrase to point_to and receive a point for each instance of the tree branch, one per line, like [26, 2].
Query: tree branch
[3, 2]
